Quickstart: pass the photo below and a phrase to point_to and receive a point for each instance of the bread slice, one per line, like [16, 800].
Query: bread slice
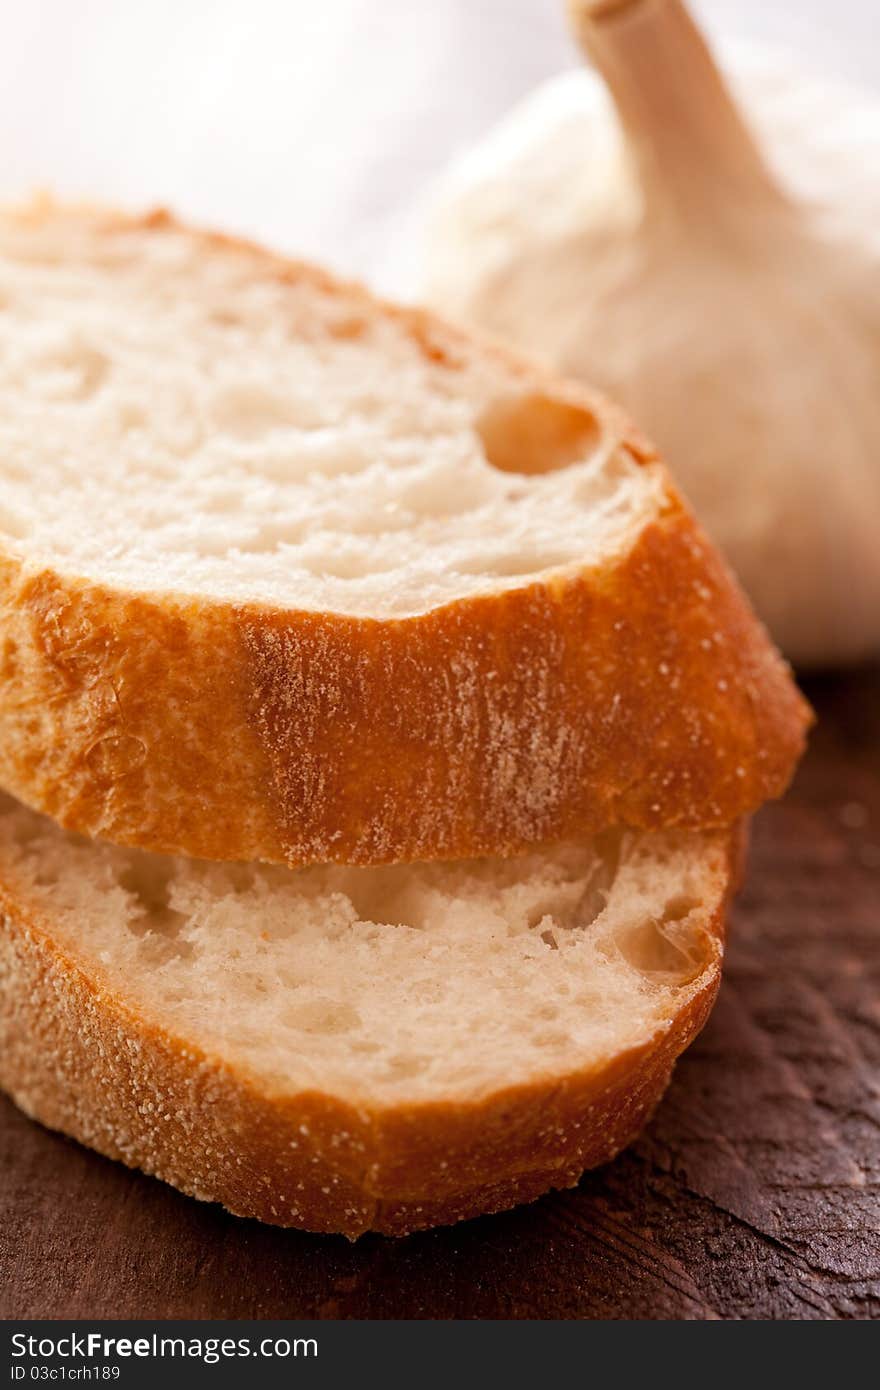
[352, 1049]
[289, 575]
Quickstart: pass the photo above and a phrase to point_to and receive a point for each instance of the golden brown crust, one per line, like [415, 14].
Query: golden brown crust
[90, 1064]
[646, 696]
[644, 693]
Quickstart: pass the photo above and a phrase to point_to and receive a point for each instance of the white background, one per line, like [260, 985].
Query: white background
[314, 124]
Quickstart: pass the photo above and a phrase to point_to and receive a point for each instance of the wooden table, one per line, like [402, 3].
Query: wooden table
[755, 1193]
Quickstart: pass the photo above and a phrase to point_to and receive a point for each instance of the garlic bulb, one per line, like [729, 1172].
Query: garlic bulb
[723, 285]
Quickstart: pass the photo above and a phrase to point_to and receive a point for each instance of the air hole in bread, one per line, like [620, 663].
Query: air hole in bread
[157, 925]
[438, 492]
[45, 876]
[559, 913]
[131, 417]
[225, 318]
[8, 658]
[268, 539]
[598, 889]
[516, 563]
[147, 880]
[14, 524]
[599, 884]
[161, 939]
[348, 326]
[248, 411]
[114, 755]
[222, 500]
[546, 1012]
[242, 877]
[404, 1067]
[537, 434]
[349, 564]
[73, 372]
[657, 951]
[551, 1037]
[604, 487]
[321, 1015]
[678, 908]
[378, 896]
[25, 831]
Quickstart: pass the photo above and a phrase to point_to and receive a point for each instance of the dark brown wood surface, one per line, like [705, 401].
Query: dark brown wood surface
[755, 1193]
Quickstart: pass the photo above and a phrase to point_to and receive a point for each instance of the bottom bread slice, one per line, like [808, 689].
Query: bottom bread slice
[355, 1049]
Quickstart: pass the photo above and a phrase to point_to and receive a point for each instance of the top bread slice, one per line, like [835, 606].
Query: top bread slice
[287, 574]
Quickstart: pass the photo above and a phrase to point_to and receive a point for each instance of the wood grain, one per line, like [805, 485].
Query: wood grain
[755, 1193]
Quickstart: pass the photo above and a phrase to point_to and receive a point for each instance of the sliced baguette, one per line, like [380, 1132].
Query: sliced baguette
[352, 1049]
[289, 575]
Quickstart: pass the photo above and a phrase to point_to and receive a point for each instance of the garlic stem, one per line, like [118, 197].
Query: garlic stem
[691, 147]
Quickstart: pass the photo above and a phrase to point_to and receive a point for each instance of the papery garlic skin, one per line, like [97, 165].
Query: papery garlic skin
[746, 344]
